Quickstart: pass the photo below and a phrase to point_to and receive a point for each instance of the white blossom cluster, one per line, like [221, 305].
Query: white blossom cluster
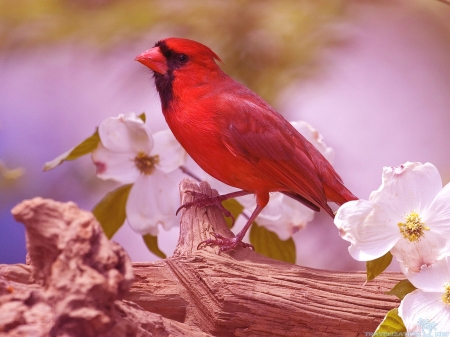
[409, 215]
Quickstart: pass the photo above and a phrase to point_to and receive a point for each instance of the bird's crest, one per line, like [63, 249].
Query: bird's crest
[186, 46]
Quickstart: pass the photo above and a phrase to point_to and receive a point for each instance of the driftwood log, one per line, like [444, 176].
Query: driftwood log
[80, 284]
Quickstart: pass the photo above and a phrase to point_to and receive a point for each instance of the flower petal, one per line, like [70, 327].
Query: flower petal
[407, 188]
[272, 211]
[171, 154]
[116, 166]
[284, 216]
[438, 215]
[424, 312]
[432, 278]
[153, 200]
[367, 229]
[315, 138]
[125, 133]
[413, 255]
[248, 201]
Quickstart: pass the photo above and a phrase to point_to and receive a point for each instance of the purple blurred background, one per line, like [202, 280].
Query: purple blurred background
[379, 95]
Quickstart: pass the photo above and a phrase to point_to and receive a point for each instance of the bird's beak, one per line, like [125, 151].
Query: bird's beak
[154, 59]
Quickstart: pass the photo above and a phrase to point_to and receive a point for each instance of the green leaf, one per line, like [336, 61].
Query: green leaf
[377, 266]
[152, 245]
[235, 208]
[86, 146]
[401, 289]
[392, 322]
[269, 244]
[142, 116]
[110, 211]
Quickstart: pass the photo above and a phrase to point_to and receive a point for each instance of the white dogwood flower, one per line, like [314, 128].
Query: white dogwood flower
[409, 215]
[427, 308]
[128, 153]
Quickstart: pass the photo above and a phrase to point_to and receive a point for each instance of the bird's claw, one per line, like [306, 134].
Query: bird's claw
[224, 243]
[204, 200]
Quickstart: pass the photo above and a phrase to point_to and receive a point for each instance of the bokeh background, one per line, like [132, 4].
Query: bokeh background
[372, 76]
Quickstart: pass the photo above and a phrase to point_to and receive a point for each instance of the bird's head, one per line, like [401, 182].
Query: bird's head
[179, 65]
[171, 54]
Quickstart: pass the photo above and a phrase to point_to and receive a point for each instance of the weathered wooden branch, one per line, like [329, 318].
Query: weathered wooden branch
[193, 293]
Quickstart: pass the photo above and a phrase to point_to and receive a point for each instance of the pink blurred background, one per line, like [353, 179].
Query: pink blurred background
[380, 97]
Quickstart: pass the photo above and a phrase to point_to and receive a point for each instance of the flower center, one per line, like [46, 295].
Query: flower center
[413, 228]
[446, 295]
[146, 164]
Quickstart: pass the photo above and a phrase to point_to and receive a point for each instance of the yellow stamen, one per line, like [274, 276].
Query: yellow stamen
[446, 296]
[413, 228]
[146, 164]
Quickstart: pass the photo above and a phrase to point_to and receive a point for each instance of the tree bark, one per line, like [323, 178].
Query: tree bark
[236, 293]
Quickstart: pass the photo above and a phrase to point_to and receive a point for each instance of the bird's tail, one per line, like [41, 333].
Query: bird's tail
[338, 193]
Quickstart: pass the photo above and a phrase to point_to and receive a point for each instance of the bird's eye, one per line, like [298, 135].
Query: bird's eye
[182, 58]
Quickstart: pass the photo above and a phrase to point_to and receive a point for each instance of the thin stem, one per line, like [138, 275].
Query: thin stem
[185, 170]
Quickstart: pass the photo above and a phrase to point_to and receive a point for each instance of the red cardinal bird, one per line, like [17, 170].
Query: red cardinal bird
[235, 136]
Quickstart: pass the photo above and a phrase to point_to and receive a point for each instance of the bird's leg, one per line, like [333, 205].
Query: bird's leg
[206, 200]
[231, 243]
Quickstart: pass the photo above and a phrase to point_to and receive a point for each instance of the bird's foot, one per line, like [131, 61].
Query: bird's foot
[204, 200]
[224, 243]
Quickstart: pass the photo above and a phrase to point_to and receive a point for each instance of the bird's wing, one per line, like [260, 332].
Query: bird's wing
[256, 132]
